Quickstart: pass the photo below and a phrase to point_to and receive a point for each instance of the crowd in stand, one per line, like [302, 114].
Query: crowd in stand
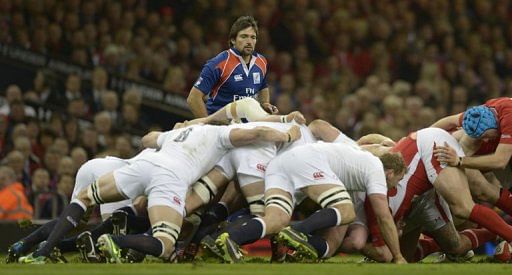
[365, 65]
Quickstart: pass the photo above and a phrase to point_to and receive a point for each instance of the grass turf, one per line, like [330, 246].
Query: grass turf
[337, 265]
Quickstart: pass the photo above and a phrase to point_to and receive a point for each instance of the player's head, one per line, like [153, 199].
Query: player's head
[394, 167]
[243, 34]
[477, 120]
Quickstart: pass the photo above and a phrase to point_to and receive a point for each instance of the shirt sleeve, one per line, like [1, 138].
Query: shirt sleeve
[377, 183]
[224, 134]
[506, 128]
[209, 76]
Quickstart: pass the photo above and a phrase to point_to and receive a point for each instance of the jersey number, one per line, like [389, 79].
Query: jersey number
[183, 135]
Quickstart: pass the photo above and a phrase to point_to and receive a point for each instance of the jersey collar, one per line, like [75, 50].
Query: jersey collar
[242, 61]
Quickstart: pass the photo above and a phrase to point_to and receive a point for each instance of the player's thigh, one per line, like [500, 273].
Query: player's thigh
[452, 185]
[92, 170]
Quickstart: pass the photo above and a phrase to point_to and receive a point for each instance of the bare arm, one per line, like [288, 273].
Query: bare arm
[498, 160]
[264, 99]
[448, 123]
[323, 130]
[387, 226]
[195, 100]
[150, 139]
[295, 115]
[376, 139]
[241, 137]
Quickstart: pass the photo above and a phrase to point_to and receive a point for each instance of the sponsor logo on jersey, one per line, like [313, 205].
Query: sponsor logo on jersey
[506, 136]
[176, 200]
[256, 78]
[318, 175]
[238, 97]
[261, 167]
[238, 77]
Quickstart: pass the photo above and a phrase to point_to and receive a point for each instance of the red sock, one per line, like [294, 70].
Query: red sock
[425, 247]
[478, 236]
[489, 219]
[505, 201]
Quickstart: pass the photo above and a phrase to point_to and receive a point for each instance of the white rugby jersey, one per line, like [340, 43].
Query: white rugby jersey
[357, 169]
[192, 151]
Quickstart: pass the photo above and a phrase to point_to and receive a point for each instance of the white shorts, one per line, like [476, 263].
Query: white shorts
[90, 171]
[160, 185]
[426, 140]
[299, 168]
[429, 211]
[248, 163]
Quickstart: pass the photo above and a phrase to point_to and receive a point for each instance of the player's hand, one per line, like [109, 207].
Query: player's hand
[270, 108]
[180, 125]
[297, 116]
[399, 260]
[445, 153]
[294, 133]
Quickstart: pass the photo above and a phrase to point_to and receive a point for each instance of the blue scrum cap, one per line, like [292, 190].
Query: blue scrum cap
[477, 120]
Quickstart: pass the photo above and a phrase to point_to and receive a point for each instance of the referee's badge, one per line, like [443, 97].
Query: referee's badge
[256, 78]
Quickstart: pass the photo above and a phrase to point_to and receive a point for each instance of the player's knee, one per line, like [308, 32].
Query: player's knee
[480, 194]
[347, 213]
[461, 210]
[339, 199]
[278, 210]
[91, 196]
[275, 223]
[353, 244]
[167, 233]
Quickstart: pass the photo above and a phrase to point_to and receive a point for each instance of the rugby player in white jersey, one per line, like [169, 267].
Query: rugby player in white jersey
[86, 174]
[183, 156]
[430, 211]
[324, 172]
[425, 173]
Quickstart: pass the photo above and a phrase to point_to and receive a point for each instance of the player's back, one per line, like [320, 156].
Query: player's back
[192, 151]
[359, 170]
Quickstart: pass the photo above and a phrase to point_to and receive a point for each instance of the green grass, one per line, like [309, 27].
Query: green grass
[338, 265]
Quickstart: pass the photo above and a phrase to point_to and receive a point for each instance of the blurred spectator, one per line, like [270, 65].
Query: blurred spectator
[14, 205]
[110, 104]
[79, 156]
[13, 95]
[51, 162]
[99, 87]
[32, 162]
[16, 161]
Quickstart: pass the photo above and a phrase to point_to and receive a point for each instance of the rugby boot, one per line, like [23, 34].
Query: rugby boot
[30, 259]
[14, 252]
[298, 241]
[119, 223]
[109, 249]
[278, 250]
[210, 249]
[230, 250]
[87, 249]
[134, 256]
